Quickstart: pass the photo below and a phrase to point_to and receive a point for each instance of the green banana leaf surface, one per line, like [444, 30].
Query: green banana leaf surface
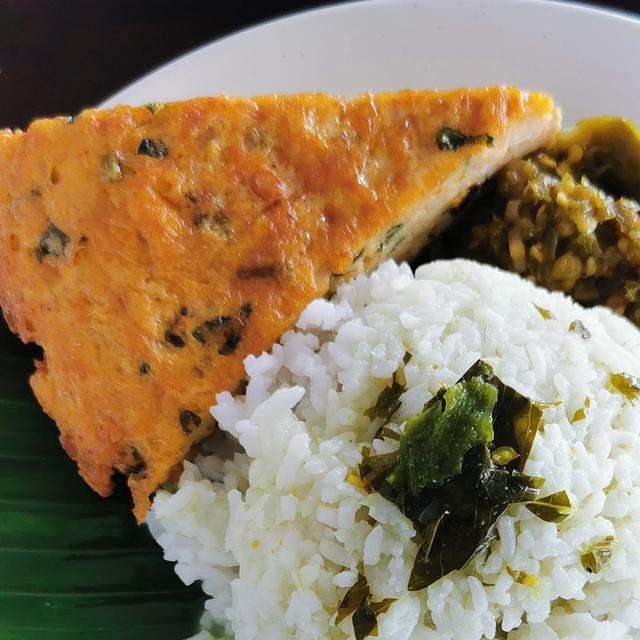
[73, 566]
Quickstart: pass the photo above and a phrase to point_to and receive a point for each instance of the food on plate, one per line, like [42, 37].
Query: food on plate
[447, 455]
[567, 217]
[432, 456]
[149, 250]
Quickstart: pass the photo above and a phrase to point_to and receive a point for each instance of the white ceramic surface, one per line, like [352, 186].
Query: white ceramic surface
[588, 59]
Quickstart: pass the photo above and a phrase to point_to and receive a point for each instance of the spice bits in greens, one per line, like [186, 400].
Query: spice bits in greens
[457, 469]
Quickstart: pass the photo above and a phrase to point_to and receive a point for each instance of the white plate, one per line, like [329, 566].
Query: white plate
[586, 58]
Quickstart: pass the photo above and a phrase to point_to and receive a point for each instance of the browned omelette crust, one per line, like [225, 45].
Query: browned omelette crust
[172, 267]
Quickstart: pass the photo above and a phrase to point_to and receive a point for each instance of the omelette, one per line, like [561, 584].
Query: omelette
[150, 249]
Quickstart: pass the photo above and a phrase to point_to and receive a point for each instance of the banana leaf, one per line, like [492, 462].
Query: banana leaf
[73, 566]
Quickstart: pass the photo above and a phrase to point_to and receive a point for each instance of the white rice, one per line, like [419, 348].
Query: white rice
[277, 534]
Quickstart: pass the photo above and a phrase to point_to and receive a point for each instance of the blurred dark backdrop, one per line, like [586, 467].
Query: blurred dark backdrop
[58, 56]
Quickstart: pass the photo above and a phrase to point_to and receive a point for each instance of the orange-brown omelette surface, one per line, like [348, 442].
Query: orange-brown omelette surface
[148, 250]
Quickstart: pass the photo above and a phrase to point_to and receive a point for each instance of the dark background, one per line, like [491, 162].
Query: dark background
[58, 56]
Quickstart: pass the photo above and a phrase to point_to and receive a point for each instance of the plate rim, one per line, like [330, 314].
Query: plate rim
[608, 13]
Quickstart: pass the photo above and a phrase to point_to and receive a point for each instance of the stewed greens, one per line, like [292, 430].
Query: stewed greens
[458, 467]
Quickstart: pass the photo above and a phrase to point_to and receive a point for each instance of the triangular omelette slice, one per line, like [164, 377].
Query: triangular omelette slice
[149, 250]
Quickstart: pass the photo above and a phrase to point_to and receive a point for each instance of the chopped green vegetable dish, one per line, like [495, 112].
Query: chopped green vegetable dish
[568, 217]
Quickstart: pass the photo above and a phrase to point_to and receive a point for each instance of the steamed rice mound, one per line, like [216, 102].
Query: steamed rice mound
[278, 534]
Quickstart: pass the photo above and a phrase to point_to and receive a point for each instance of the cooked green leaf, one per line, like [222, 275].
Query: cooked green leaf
[518, 422]
[357, 602]
[449, 139]
[577, 326]
[470, 503]
[553, 508]
[503, 455]
[153, 148]
[583, 412]
[374, 466]
[526, 424]
[153, 107]
[382, 606]
[458, 468]
[387, 432]
[365, 622]
[545, 313]
[388, 401]
[391, 232]
[365, 618]
[522, 577]
[353, 598]
[626, 384]
[504, 487]
[454, 421]
[516, 419]
[420, 574]
[597, 554]
[580, 414]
